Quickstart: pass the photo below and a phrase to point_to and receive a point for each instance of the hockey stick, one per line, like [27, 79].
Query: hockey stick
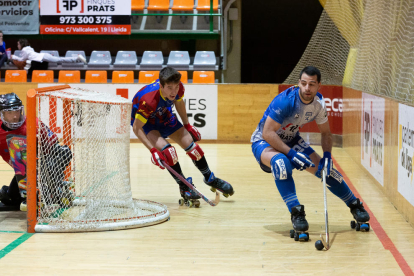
[326, 241]
[212, 203]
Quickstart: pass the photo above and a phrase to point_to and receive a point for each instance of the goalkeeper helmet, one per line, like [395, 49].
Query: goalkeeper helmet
[11, 111]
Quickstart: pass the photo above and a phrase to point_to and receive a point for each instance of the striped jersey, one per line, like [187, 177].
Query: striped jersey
[288, 110]
[148, 104]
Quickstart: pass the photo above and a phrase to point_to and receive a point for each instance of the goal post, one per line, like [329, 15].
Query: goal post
[78, 176]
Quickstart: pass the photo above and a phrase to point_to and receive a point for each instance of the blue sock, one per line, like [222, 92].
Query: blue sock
[336, 184]
[285, 186]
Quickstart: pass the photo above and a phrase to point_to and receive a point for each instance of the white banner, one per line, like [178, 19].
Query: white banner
[200, 102]
[19, 17]
[85, 17]
[372, 135]
[85, 7]
[406, 152]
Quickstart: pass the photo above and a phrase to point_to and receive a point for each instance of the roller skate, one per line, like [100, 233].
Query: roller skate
[361, 216]
[6, 202]
[219, 184]
[189, 197]
[300, 225]
[23, 205]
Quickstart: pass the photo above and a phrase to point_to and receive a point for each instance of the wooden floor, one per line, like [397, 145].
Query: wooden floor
[247, 234]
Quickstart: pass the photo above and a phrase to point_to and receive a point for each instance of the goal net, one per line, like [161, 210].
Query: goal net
[82, 172]
[366, 45]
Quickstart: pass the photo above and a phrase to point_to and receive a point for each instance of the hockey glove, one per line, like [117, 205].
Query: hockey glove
[156, 157]
[299, 160]
[326, 154]
[193, 132]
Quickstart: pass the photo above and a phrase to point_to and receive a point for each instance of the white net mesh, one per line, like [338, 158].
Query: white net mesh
[84, 181]
[366, 45]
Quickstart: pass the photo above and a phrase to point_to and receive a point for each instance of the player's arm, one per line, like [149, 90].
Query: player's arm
[180, 107]
[326, 141]
[269, 134]
[326, 137]
[139, 132]
[299, 160]
[181, 110]
[140, 121]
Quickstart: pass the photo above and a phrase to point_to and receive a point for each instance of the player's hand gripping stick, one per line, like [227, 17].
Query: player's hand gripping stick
[193, 132]
[157, 157]
[326, 155]
[299, 160]
[183, 180]
[320, 244]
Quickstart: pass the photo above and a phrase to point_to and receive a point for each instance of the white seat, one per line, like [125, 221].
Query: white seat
[17, 53]
[152, 60]
[127, 59]
[74, 54]
[205, 60]
[100, 59]
[179, 60]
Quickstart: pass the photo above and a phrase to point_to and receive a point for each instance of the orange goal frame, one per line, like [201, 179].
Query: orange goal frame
[32, 95]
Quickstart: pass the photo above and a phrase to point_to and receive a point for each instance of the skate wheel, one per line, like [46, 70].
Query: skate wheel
[226, 195]
[296, 236]
[303, 236]
[292, 233]
[213, 190]
[190, 204]
[197, 203]
[365, 226]
[187, 203]
[181, 202]
[353, 224]
[358, 227]
[368, 227]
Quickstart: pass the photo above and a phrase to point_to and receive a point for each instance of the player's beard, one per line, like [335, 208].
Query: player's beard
[306, 97]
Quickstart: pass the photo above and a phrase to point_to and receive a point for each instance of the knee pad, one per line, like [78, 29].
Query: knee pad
[195, 152]
[281, 167]
[170, 154]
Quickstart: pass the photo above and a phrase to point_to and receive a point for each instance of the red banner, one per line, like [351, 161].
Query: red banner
[333, 101]
[87, 29]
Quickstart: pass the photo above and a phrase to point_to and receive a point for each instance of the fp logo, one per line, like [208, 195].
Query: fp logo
[69, 5]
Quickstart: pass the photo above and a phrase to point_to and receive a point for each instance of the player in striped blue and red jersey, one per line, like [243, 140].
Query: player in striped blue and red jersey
[152, 120]
[278, 147]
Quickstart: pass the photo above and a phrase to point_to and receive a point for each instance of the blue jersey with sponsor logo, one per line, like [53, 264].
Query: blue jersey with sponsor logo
[288, 110]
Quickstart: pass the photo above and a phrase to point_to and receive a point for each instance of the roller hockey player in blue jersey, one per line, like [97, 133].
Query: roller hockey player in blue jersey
[279, 149]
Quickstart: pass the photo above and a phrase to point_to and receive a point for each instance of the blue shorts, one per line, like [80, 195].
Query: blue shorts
[165, 129]
[297, 144]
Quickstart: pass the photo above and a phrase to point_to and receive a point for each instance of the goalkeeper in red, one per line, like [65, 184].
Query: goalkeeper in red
[152, 121]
